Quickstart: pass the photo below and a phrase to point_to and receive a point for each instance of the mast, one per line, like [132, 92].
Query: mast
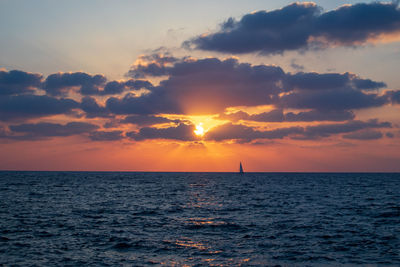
[241, 168]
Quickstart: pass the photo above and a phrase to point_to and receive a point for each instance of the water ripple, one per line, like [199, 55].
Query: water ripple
[199, 219]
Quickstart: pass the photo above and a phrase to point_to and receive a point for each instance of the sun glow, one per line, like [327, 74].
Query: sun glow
[199, 129]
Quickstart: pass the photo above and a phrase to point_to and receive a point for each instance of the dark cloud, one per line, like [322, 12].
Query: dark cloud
[364, 135]
[328, 100]
[231, 131]
[269, 32]
[315, 81]
[277, 115]
[156, 64]
[18, 82]
[147, 120]
[61, 83]
[389, 135]
[182, 132]
[106, 136]
[112, 88]
[158, 101]
[244, 133]
[33, 106]
[367, 84]
[394, 96]
[330, 91]
[326, 130]
[296, 66]
[92, 109]
[112, 123]
[43, 129]
[210, 85]
[205, 86]
[316, 115]
[162, 58]
[328, 81]
[139, 84]
[118, 87]
[301, 26]
[355, 24]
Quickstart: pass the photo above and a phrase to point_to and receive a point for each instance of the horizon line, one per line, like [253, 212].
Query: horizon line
[251, 172]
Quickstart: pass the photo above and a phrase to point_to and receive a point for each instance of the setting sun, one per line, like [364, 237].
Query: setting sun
[199, 129]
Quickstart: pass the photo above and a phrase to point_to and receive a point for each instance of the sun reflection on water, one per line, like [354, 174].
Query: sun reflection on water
[191, 244]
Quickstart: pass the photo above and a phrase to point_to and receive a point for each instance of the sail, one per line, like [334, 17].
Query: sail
[241, 168]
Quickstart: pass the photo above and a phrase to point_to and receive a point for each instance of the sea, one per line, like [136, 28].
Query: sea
[199, 219]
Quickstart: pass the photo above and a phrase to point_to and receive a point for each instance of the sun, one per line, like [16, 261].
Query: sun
[199, 129]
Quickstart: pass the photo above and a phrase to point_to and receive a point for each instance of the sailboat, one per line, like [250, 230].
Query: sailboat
[241, 168]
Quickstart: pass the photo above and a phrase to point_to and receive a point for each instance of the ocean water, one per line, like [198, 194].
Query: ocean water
[199, 219]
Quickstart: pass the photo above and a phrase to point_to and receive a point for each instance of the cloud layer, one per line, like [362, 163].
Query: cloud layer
[197, 86]
[190, 86]
[302, 26]
[244, 133]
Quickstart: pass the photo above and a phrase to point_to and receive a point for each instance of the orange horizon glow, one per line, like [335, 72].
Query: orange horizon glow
[204, 156]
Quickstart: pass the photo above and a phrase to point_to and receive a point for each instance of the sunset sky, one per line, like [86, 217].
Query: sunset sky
[199, 85]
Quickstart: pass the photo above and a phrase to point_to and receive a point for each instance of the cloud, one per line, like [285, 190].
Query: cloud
[33, 106]
[112, 88]
[44, 129]
[245, 133]
[58, 84]
[18, 82]
[316, 115]
[158, 101]
[328, 81]
[236, 116]
[329, 100]
[296, 66]
[209, 86]
[155, 64]
[147, 120]
[106, 136]
[364, 135]
[326, 130]
[394, 96]
[277, 115]
[389, 135]
[368, 84]
[205, 86]
[182, 132]
[302, 26]
[92, 109]
[139, 84]
[231, 131]
[118, 87]
[330, 91]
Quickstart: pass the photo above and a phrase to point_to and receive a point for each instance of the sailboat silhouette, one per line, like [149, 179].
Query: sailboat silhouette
[241, 168]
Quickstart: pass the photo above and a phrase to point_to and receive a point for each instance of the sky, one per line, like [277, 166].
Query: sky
[200, 85]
